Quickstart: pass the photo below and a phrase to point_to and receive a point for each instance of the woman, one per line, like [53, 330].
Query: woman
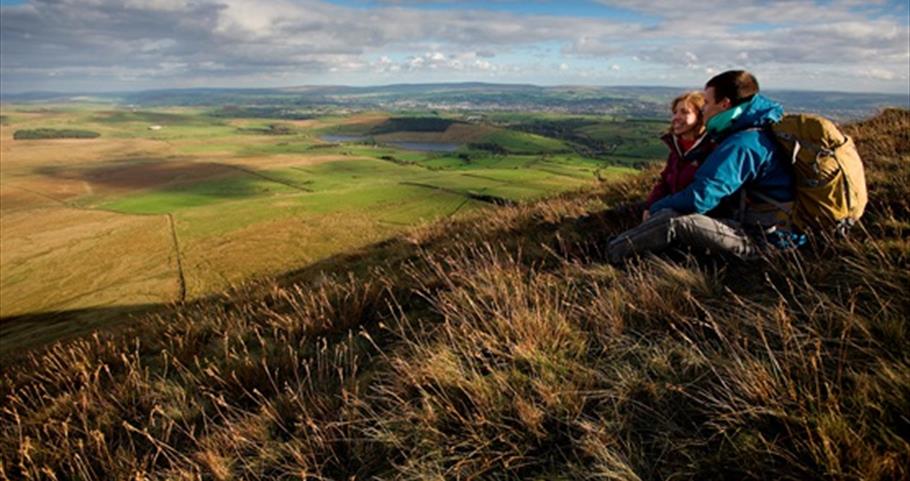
[688, 147]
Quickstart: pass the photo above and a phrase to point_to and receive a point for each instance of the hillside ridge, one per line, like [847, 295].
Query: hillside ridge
[505, 347]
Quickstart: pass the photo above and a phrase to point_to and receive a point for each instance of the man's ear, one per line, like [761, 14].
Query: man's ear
[726, 103]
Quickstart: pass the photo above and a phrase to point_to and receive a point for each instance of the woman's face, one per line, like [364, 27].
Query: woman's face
[685, 119]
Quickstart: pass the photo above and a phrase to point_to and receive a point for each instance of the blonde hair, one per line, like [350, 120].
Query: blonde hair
[694, 99]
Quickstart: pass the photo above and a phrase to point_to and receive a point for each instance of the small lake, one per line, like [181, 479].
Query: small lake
[418, 146]
[343, 138]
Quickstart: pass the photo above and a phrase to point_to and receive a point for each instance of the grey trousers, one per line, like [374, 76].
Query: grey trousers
[668, 228]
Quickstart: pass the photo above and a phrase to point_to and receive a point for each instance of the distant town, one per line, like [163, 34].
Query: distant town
[470, 98]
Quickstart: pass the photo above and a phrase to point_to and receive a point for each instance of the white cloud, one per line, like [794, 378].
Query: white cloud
[158, 5]
[239, 40]
[879, 74]
[466, 61]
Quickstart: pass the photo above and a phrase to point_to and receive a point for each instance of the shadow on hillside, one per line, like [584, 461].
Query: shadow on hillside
[22, 333]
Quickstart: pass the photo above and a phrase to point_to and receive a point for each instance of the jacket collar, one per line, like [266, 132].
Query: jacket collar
[672, 142]
[757, 113]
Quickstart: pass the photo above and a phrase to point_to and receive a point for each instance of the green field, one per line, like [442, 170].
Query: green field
[176, 198]
[523, 143]
[221, 200]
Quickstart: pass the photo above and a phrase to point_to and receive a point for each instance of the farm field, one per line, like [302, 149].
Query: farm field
[173, 204]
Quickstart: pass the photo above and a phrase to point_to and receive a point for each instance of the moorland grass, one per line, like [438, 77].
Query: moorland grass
[503, 347]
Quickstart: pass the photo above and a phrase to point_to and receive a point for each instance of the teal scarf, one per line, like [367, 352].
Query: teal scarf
[723, 120]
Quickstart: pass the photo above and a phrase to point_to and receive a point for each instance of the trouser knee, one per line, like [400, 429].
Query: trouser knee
[685, 226]
[714, 235]
[651, 236]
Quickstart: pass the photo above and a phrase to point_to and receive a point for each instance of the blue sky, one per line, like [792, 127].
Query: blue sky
[102, 45]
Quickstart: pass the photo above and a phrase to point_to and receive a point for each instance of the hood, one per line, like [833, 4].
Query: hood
[756, 113]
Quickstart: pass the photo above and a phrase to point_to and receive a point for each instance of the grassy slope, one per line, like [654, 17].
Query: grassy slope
[232, 194]
[503, 347]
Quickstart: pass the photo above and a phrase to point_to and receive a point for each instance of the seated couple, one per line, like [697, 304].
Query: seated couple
[725, 180]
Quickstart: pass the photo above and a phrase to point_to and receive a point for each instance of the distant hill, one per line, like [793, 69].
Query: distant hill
[503, 346]
[624, 101]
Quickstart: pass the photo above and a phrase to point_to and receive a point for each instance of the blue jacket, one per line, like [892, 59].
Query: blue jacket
[746, 155]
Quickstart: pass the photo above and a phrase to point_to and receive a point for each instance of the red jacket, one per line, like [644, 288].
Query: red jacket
[681, 166]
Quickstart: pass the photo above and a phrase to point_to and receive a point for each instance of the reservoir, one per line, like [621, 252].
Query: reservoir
[343, 138]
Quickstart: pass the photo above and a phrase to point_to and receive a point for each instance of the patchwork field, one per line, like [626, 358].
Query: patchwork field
[174, 204]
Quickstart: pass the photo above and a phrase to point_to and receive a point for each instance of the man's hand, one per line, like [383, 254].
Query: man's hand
[645, 215]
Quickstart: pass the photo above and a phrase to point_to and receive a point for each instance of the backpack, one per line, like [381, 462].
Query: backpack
[828, 173]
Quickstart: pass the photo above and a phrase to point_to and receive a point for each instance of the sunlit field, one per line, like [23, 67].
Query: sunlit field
[176, 203]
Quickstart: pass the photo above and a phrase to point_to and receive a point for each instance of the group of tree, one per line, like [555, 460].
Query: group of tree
[33, 134]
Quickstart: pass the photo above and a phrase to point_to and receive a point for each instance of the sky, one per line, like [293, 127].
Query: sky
[123, 45]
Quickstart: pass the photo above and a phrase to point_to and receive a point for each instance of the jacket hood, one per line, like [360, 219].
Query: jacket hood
[756, 113]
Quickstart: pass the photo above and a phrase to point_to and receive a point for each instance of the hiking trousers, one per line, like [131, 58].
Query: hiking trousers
[667, 228]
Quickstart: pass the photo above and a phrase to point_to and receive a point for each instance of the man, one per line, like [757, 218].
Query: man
[726, 209]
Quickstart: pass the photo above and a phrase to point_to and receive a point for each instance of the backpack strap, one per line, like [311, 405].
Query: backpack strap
[796, 147]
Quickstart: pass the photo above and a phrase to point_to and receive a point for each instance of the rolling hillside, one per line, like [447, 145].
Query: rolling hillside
[503, 346]
[175, 204]
[305, 101]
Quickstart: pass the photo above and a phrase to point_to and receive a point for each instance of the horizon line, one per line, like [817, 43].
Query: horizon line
[399, 84]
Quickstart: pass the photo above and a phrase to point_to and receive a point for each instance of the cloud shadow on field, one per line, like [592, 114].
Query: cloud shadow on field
[141, 173]
[160, 185]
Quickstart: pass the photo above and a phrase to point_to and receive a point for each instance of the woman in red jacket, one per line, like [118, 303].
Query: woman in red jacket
[688, 147]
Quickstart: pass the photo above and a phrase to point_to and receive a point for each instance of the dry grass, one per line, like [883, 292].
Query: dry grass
[22, 157]
[37, 275]
[504, 348]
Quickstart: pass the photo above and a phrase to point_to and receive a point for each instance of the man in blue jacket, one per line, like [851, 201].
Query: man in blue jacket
[725, 209]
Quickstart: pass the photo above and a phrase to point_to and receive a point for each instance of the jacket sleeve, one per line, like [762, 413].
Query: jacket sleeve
[661, 188]
[730, 166]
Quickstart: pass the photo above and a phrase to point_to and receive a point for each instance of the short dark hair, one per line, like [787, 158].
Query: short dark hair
[737, 85]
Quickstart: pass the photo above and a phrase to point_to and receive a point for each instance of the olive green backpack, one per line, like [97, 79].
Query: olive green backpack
[829, 177]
